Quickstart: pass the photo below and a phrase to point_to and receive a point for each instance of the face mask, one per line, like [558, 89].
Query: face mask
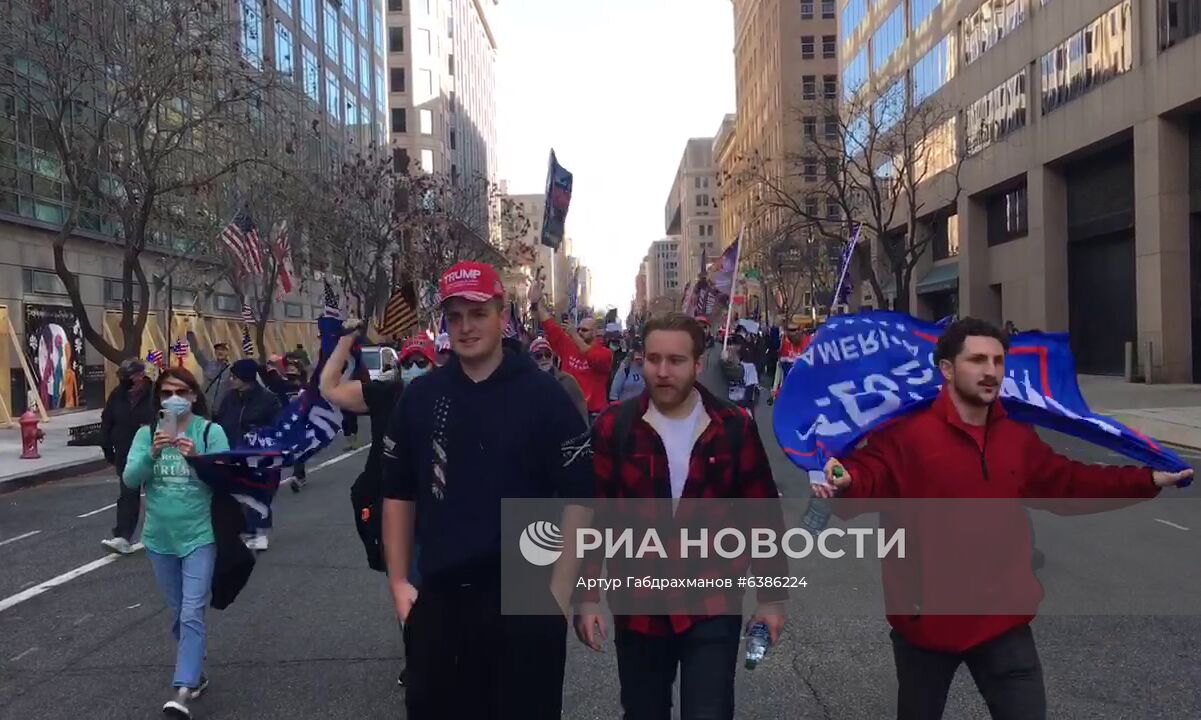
[412, 373]
[177, 405]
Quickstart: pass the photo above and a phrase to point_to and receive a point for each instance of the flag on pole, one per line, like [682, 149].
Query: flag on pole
[573, 295]
[247, 343]
[241, 237]
[331, 303]
[513, 325]
[155, 357]
[180, 348]
[723, 279]
[842, 290]
[247, 314]
[400, 313]
[558, 199]
[281, 247]
[685, 308]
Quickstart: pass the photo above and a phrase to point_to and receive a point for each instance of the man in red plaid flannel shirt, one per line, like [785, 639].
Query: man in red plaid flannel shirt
[679, 447]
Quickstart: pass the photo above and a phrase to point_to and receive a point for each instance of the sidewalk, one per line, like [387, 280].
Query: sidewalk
[58, 459]
[1171, 413]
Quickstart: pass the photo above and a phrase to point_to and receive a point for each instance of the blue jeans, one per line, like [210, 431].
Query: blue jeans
[185, 583]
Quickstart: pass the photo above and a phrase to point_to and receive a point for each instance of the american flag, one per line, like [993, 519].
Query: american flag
[242, 239]
[155, 357]
[513, 326]
[180, 348]
[281, 247]
[247, 343]
[247, 314]
[331, 303]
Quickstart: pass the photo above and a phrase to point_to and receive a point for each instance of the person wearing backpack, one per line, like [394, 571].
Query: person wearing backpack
[178, 530]
[678, 441]
[628, 381]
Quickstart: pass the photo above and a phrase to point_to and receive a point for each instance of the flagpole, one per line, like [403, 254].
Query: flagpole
[733, 287]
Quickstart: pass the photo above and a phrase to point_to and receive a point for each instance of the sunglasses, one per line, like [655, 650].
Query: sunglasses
[794, 330]
[410, 362]
[164, 394]
[542, 356]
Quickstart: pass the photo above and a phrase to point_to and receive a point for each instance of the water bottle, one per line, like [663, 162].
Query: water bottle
[817, 515]
[756, 644]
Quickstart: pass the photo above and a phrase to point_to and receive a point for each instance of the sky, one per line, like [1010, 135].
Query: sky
[616, 87]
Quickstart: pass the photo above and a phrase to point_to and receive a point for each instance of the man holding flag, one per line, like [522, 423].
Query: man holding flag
[965, 445]
[581, 355]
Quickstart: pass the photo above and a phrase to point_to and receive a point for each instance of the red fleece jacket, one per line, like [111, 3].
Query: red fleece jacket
[589, 368]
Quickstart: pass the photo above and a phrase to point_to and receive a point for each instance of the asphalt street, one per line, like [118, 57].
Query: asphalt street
[313, 635]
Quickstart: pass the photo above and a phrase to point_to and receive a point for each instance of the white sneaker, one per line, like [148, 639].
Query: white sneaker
[257, 542]
[177, 706]
[118, 545]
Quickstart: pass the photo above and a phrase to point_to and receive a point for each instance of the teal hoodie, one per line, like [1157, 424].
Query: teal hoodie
[178, 503]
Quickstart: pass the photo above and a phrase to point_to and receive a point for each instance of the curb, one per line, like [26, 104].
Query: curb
[66, 469]
[1180, 435]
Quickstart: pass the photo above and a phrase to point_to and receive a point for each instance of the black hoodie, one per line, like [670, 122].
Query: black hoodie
[457, 447]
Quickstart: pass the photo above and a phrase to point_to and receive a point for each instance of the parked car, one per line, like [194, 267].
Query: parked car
[377, 359]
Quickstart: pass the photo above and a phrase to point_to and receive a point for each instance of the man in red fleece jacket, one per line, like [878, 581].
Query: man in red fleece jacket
[580, 355]
[965, 447]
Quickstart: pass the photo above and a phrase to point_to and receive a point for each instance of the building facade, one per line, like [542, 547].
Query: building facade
[692, 213]
[442, 79]
[333, 53]
[1080, 128]
[663, 278]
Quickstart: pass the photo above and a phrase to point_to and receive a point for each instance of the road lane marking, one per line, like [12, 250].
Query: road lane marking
[82, 619]
[1171, 524]
[19, 537]
[327, 463]
[15, 658]
[100, 510]
[66, 577]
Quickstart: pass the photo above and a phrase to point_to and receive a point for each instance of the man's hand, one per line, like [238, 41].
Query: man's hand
[1169, 479]
[837, 480]
[404, 596]
[772, 615]
[590, 626]
[351, 325]
[535, 293]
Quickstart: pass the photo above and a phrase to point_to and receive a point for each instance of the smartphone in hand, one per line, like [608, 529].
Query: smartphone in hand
[168, 422]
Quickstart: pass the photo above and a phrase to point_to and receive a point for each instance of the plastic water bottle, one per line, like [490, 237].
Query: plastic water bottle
[757, 643]
[817, 515]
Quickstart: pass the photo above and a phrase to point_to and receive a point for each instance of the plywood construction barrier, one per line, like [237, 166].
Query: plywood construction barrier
[8, 413]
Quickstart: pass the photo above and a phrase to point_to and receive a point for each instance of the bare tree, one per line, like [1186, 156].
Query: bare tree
[875, 165]
[133, 104]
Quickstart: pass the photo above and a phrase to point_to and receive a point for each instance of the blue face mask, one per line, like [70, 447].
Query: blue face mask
[177, 405]
[412, 373]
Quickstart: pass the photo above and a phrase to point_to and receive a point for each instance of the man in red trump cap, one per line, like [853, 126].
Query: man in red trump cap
[488, 425]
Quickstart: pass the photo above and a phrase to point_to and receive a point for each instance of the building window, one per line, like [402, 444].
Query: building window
[807, 10]
[396, 39]
[331, 31]
[43, 283]
[285, 6]
[364, 72]
[352, 108]
[450, 65]
[1101, 51]
[427, 160]
[333, 98]
[833, 211]
[252, 33]
[426, 119]
[427, 84]
[426, 41]
[827, 9]
[400, 160]
[809, 123]
[453, 139]
[888, 38]
[830, 87]
[809, 168]
[364, 20]
[1007, 216]
[809, 87]
[1178, 19]
[831, 129]
[182, 297]
[933, 70]
[308, 17]
[396, 6]
[397, 76]
[283, 50]
[348, 52]
[833, 167]
[829, 47]
[312, 78]
[811, 203]
[920, 11]
[225, 302]
[997, 114]
[855, 74]
[807, 50]
[852, 14]
[399, 120]
[293, 310]
[114, 291]
[989, 23]
[945, 241]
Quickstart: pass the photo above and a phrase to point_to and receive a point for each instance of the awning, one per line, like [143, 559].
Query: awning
[940, 279]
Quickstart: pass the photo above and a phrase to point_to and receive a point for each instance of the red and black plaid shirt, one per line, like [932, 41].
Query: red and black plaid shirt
[713, 474]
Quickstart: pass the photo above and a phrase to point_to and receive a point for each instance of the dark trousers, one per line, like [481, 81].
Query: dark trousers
[707, 656]
[1006, 670]
[129, 504]
[350, 424]
[465, 661]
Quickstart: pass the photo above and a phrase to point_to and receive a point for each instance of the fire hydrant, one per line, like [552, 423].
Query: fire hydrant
[31, 434]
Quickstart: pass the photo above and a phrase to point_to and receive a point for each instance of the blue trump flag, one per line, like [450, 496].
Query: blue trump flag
[301, 430]
[862, 371]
